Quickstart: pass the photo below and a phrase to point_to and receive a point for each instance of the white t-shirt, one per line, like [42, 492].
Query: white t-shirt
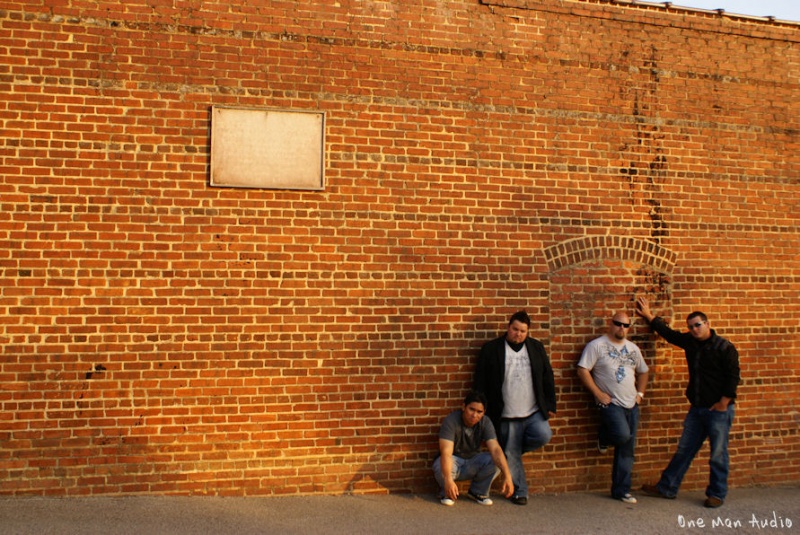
[519, 399]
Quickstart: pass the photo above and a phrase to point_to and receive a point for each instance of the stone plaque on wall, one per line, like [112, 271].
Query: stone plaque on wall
[267, 148]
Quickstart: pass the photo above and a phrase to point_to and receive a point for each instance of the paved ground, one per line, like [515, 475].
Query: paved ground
[776, 510]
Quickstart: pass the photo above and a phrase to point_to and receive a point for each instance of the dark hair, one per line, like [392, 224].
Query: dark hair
[697, 314]
[475, 396]
[522, 317]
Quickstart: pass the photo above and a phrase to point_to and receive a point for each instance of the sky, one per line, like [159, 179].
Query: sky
[780, 9]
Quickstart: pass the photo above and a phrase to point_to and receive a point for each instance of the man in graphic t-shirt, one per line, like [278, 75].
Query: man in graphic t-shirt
[613, 370]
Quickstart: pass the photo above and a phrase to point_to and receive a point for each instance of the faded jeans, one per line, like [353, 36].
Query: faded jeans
[699, 425]
[519, 436]
[480, 470]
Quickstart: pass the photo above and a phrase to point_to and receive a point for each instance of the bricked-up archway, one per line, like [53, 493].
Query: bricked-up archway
[590, 278]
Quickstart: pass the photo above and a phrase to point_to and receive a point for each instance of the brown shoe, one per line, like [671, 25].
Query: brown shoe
[652, 490]
[713, 502]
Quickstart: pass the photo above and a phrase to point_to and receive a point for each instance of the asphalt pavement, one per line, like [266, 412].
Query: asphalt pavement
[747, 510]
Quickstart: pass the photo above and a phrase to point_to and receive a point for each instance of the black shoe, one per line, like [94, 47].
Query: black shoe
[519, 500]
[652, 490]
[480, 498]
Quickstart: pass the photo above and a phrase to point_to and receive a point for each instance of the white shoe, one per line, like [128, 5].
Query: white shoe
[447, 501]
[628, 498]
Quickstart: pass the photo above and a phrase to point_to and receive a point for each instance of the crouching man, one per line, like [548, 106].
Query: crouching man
[460, 457]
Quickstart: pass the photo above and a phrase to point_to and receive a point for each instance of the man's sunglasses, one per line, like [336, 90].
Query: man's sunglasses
[620, 324]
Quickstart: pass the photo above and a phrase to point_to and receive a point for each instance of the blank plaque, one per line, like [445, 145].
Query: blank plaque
[266, 148]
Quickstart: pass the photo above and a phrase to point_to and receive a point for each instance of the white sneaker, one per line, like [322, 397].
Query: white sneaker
[628, 498]
[447, 501]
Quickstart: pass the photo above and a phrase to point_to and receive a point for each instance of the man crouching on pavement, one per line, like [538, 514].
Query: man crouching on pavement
[460, 456]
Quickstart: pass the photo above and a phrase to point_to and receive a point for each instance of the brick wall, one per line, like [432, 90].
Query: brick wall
[159, 335]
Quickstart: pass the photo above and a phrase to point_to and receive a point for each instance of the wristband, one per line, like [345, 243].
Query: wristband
[640, 394]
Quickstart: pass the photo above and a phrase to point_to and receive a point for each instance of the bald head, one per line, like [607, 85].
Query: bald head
[618, 326]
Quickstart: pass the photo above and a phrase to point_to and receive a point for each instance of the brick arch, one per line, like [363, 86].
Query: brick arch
[580, 250]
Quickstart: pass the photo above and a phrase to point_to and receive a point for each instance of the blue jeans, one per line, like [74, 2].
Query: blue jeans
[618, 428]
[479, 469]
[521, 436]
[699, 424]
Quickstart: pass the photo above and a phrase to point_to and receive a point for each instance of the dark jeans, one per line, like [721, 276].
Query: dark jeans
[699, 425]
[618, 428]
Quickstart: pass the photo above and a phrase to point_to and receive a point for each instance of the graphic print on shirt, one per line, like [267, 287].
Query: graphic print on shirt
[519, 370]
[623, 359]
[518, 395]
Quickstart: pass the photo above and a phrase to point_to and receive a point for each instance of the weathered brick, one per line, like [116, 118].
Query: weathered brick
[159, 335]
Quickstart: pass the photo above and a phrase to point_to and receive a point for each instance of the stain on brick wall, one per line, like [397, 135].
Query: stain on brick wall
[159, 335]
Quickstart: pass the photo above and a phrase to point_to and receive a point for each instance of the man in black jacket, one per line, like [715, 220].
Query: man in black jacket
[713, 364]
[514, 373]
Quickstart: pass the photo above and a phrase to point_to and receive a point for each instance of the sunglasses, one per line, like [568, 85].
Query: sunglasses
[620, 324]
[696, 325]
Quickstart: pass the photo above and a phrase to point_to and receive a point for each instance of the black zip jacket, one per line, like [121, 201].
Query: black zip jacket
[713, 364]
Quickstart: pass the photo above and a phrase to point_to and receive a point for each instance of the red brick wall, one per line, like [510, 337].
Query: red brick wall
[162, 336]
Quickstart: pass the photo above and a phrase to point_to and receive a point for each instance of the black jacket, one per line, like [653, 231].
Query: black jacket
[490, 374]
[713, 364]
